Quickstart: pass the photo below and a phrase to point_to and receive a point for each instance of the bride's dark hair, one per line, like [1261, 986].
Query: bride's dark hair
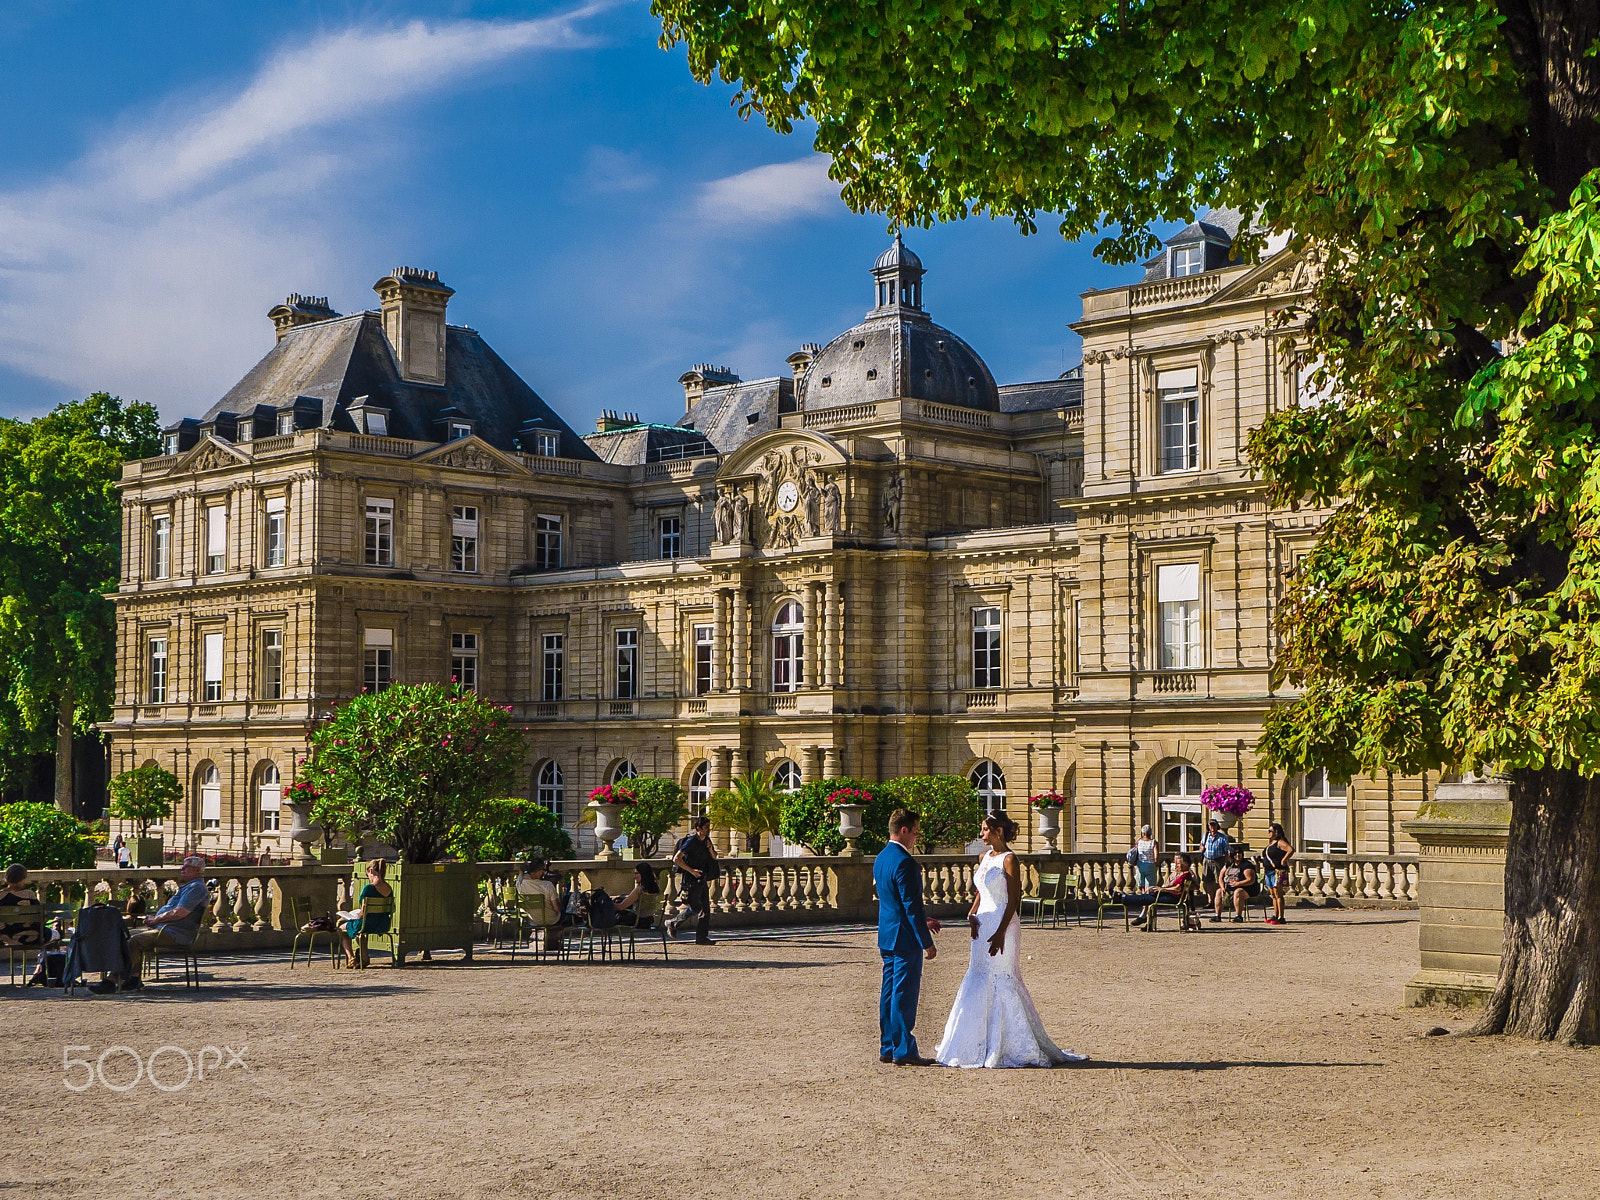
[1006, 826]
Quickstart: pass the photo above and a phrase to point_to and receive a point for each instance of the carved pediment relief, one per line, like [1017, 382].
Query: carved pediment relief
[211, 454]
[471, 454]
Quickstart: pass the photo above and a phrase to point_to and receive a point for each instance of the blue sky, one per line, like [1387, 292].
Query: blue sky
[171, 171]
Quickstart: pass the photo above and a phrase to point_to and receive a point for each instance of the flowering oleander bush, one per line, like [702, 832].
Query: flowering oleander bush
[1225, 798]
[849, 795]
[1050, 799]
[620, 792]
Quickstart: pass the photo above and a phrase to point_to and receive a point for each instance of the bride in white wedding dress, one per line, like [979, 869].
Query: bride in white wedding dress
[993, 1022]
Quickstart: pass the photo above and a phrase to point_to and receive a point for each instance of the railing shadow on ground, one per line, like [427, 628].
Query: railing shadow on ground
[1209, 1065]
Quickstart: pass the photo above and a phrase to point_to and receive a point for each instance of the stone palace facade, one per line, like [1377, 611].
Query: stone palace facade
[878, 563]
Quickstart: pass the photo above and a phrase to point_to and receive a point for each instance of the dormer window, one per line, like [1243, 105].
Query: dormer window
[285, 422]
[459, 430]
[872, 373]
[1188, 260]
[169, 443]
[246, 431]
[377, 422]
[547, 445]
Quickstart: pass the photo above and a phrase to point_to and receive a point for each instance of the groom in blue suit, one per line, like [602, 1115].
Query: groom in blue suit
[905, 937]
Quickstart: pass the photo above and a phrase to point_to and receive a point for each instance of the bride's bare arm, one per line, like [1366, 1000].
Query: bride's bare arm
[1013, 899]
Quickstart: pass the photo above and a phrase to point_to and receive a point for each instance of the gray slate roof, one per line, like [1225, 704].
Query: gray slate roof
[723, 414]
[1042, 396]
[327, 365]
[899, 352]
[1217, 228]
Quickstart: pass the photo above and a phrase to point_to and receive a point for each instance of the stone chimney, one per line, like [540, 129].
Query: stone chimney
[802, 358]
[701, 376]
[413, 320]
[609, 421]
[298, 310]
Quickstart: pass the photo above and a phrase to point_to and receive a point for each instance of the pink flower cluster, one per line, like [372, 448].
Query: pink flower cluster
[1225, 798]
[1050, 799]
[613, 793]
[848, 795]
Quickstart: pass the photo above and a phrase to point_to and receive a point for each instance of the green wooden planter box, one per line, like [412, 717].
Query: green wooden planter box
[333, 856]
[436, 906]
[146, 852]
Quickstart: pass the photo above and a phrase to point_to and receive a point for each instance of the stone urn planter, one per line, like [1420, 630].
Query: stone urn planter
[1050, 826]
[1225, 819]
[607, 826]
[850, 826]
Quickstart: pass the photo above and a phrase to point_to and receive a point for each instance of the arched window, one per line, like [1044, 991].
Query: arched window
[210, 797]
[624, 770]
[785, 776]
[788, 648]
[1324, 815]
[990, 781]
[699, 788]
[1179, 803]
[269, 792]
[551, 790]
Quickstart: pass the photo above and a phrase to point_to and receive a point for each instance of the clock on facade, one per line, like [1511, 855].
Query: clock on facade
[788, 496]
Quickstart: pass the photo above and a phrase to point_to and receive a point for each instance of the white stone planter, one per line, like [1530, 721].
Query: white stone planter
[607, 826]
[1050, 826]
[1226, 820]
[850, 825]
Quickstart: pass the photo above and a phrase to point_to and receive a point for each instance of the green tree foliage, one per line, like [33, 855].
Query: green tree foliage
[750, 806]
[808, 821]
[659, 807]
[948, 805]
[1430, 160]
[144, 795]
[510, 828]
[60, 544]
[414, 764]
[41, 837]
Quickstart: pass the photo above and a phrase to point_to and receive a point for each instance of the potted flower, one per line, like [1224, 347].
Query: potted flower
[849, 803]
[1049, 804]
[1227, 803]
[607, 802]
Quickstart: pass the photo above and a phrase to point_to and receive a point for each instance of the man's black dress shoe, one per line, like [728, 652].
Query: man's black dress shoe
[885, 1058]
[915, 1060]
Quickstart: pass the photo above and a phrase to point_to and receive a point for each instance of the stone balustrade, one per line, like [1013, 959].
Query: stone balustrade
[252, 907]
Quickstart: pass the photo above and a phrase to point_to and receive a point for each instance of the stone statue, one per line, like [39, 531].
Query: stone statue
[832, 505]
[724, 518]
[893, 501]
[812, 497]
[741, 519]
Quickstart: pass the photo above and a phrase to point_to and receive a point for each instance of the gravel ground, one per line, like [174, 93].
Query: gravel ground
[1242, 1062]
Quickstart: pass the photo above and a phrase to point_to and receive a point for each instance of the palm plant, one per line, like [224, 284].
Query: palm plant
[751, 807]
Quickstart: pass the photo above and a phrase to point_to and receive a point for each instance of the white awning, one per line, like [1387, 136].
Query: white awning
[216, 529]
[271, 797]
[211, 802]
[1177, 582]
[379, 638]
[213, 658]
[464, 528]
[1177, 381]
[275, 504]
[1322, 823]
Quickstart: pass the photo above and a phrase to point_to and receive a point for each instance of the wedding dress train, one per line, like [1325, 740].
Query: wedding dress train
[993, 1022]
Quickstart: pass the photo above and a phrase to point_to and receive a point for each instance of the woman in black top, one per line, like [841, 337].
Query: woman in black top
[1278, 853]
[16, 893]
[644, 884]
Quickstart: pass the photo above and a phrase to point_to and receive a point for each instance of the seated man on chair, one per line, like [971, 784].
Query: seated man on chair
[1170, 892]
[176, 923]
[1239, 885]
[534, 881]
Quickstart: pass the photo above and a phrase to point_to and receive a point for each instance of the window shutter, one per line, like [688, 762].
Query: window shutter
[213, 658]
[461, 527]
[211, 802]
[275, 504]
[1322, 823]
[216, 530]
[1177, 381]
[379, 639]
[1177, 582]
[271, 797]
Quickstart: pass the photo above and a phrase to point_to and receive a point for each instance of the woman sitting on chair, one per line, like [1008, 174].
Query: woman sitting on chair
[357, 923]
[644, 884]
[1170, 892]
[16, 893]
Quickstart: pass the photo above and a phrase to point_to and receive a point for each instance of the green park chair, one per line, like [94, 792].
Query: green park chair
[190, 957]
[33, 916]
[541, 916]
[1100, 914]
[648, 905]
[299, 914]
[1051, 896]
[375, 906]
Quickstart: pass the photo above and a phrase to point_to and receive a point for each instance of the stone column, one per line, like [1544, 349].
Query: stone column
[740, 767]
[719, 646]
[808, 764]
[1461, 890]
[830, 652]
[719, 768]
[741, 641]
[814, 627]
[830, 763]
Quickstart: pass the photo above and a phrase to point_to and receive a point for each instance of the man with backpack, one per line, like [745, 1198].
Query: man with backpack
[696, 861]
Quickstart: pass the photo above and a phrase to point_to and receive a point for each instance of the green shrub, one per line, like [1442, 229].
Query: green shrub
[145, 795]
[808, 821]
[948, 805]
[41, 836]
[660, 807]
[510, 828]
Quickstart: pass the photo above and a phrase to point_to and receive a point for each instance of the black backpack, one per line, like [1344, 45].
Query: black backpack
[602, 909]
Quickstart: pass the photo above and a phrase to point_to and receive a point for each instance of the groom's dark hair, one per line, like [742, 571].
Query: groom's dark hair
[903, 818]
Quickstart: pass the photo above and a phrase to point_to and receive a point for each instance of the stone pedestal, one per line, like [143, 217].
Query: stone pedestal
[1461, 891]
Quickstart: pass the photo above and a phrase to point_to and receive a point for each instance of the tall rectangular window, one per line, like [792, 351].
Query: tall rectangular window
[627, 663]
[377, 670]
[380, 533]
[986, 647]
[1324, 816]
[272, 664]
[216, 538]
[670, 536]
[464, 660]
[211, 689]
[547, 544]
[160, 547]
[704, 644]
[464, 538]
[555, 666]
[1178, 598]
[277, 531]
[1178, 396]
[158, 670]
[547, 445]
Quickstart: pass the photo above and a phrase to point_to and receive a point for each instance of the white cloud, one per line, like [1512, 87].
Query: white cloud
[143, 265]
[773, 193]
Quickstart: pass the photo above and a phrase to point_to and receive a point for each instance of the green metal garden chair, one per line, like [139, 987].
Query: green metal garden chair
[299, 914]
[541, 916]
[375, 906]
[648, 905]
[31, 915]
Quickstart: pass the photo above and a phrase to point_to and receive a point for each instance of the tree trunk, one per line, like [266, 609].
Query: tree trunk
[64, 753]
[1549, 986]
